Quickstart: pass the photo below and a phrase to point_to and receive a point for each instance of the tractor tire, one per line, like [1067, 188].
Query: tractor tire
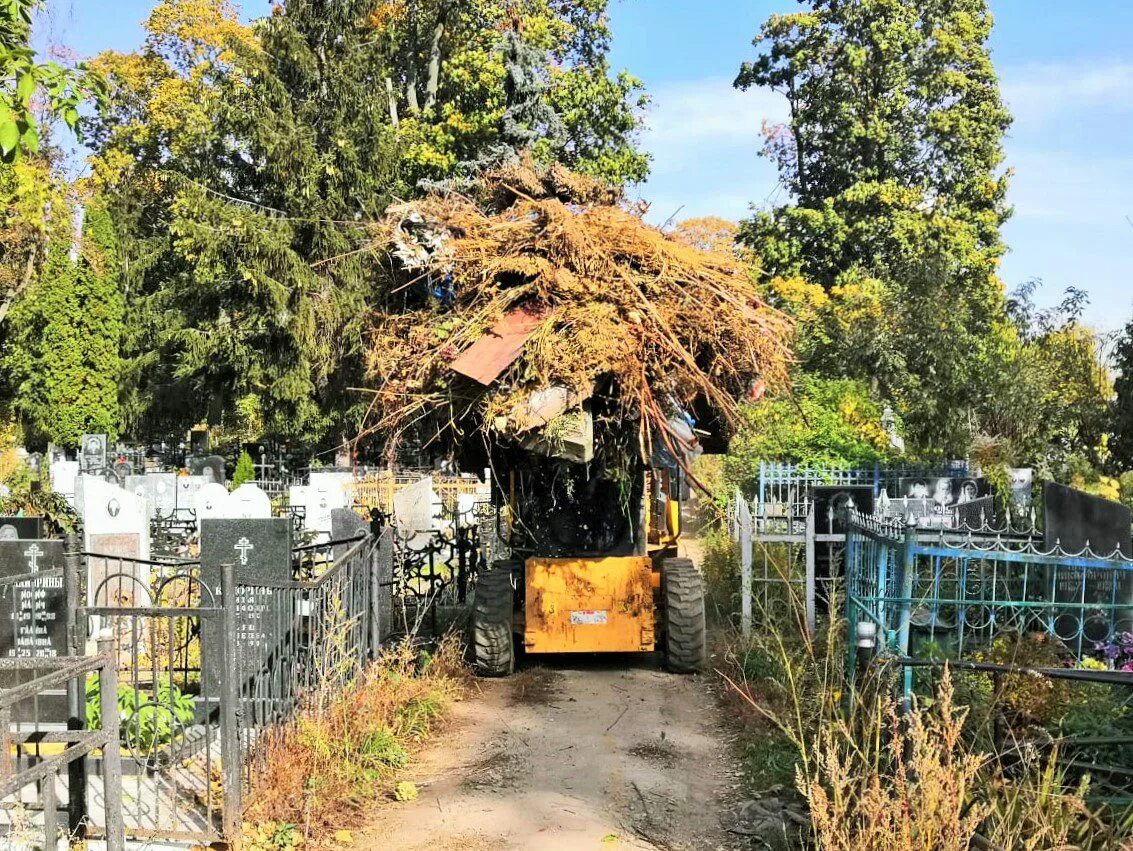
[493, 615]
[686, 640]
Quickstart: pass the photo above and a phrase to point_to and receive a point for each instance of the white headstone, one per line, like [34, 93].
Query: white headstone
[212, 501]
[115, 523]
[249, 502]
[416, 506]
[63, 475]
[187, 487]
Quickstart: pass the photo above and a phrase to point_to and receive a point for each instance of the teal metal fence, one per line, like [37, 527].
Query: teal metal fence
[918, 601]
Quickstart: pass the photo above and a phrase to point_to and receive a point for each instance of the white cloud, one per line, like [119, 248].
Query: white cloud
[1040, 94]
[687, 116]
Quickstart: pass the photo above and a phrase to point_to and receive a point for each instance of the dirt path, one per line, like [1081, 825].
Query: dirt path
[586, 755]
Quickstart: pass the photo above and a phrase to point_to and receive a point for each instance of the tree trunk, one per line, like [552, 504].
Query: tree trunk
[435, 59]
[393, 117]
[411, 63]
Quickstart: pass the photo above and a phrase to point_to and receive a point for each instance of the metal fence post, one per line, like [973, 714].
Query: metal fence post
[745, 522]
[230, 756]
[374, 602]
[908, 572]
[811, 544]
[76, 689]
[111, 751]
[850, 571]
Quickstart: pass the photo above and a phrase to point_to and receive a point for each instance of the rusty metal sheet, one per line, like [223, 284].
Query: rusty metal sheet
[486, 359]
[597, 605]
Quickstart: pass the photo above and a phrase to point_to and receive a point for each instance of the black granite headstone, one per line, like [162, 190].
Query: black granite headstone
[210, 466]
[345, 524]
[260, 549]
[831, 504]
[1073, 519]
[27, 528]
[33, 619]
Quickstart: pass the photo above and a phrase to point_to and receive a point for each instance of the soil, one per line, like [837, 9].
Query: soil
[602, 753]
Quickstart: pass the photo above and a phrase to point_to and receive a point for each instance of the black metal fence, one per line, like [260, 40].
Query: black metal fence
[195, 681]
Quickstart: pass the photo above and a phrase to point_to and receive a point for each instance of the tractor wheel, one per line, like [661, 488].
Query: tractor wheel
[686, 646]
[493, 612]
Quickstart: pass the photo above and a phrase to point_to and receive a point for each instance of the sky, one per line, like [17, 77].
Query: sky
[1066, 69]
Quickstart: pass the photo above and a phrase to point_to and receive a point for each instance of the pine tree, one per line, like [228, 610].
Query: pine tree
[245, 470]
[65, 353]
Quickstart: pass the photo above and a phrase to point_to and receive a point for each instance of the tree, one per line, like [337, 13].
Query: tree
[245, 470]
[1049, 395]
[22, 77]
[821, 423]
[446, 73]
[63, 356]
[246, 164]
[892, 159]
[1122, 445]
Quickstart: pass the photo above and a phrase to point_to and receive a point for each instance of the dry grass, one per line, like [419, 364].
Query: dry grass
[320, 772]
[879, 779]
[625, 307]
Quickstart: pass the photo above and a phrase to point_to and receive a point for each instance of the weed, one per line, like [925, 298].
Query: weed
[344, 750]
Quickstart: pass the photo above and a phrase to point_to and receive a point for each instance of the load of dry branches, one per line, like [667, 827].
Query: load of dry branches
[591, 300]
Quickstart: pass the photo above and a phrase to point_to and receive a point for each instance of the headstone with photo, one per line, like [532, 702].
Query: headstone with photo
[1022, 487]
[831, 504]
[187, 487]
[260, 550]
[116, 532]
[159, 490]
[33, 619]
[212, 467]
[26, 528]
[93, 453]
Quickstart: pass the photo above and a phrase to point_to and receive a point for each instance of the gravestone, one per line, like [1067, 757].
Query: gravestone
[159, 490]
[345, 524]
[1074, 520]
[63, 475]
[1022, 487]
[26, 528]
[211, 502]
[211, 467]
[116, 528]
[249, 502]
[33, 620]
[831, 504]
[92, 453]
[260, 549]
[318, 500]
[187, 487]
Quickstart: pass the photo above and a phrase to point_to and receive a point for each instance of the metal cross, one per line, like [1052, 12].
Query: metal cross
[33, 553]
[243, 546]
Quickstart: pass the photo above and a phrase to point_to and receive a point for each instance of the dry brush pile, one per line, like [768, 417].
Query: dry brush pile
[615, 309]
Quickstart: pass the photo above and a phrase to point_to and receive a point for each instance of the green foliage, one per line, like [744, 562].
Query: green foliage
[245, 166]
[1122, 443]
[245, 470]
[21, 77]
[62, 355]
[892, 157]
[1048, 395]
[147, 719]
[824, 423]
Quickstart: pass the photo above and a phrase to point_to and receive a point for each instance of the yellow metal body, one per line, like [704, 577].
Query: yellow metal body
[592, 605]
